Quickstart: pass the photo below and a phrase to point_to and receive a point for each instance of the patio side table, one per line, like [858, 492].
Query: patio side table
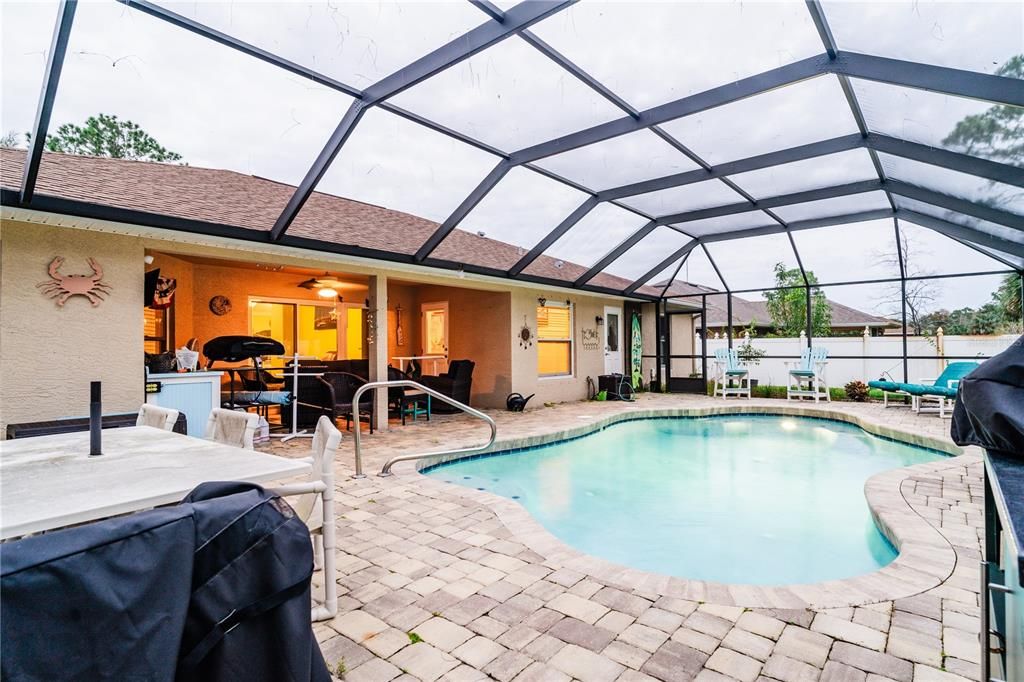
[415, 404]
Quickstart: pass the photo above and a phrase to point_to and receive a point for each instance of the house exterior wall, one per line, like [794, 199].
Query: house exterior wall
[588, 361]
[49, 354]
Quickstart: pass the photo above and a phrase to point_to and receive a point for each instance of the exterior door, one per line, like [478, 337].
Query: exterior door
[612, 340]
[435, 336]
[351, 331]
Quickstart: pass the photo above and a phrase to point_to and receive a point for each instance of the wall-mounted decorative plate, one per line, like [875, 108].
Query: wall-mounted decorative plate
[220, 305]
[525, 335]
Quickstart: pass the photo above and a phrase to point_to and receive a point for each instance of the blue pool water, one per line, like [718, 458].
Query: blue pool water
[740, 499]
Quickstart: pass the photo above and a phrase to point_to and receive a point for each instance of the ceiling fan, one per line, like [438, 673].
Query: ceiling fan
[326, 286]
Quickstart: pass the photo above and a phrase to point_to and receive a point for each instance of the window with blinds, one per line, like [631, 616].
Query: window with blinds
[156, 330]
[554, 340]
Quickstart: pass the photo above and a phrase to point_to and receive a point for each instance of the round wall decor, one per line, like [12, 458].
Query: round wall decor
[220, 305]
[525, 335]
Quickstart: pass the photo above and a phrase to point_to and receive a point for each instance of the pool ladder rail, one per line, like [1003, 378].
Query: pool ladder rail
[406, 383]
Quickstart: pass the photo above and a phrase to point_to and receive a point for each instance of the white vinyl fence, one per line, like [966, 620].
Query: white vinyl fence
[887, 352]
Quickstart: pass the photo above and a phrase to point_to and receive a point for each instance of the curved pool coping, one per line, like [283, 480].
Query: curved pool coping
[925, 560]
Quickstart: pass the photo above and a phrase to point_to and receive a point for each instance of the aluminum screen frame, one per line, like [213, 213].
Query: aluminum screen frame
[498, 25]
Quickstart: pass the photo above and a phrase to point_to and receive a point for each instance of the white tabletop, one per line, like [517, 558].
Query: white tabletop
[51, 481]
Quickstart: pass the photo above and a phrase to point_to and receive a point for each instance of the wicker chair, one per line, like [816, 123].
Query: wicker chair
[456, 383]
[341, 388]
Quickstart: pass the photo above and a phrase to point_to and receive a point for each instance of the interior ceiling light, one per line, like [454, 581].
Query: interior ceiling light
[325, 286]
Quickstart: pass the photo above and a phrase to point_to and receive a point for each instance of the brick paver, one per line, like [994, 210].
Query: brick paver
[422, 557]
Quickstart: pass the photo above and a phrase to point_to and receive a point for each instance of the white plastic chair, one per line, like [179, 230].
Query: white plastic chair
[157, 417]
[232, 427]
[315, 506]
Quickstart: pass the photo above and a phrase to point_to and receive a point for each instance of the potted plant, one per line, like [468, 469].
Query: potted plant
[748, 353]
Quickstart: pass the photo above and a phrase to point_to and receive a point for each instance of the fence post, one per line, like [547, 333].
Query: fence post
[865, 348]
[940, 349]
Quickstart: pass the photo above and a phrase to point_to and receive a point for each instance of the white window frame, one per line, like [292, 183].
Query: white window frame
[571, 340]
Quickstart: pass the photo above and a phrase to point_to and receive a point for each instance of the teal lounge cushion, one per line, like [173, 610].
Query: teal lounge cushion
[802, 372]
[736, 372]
[884, 385]
[943, 391]
[921, 389]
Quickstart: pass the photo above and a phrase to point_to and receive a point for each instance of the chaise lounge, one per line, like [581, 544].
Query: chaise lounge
[942, 390]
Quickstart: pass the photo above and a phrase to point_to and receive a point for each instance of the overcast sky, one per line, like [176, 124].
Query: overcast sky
[221, 109]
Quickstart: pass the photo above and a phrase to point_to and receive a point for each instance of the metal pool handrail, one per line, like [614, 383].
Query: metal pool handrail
[386, 469]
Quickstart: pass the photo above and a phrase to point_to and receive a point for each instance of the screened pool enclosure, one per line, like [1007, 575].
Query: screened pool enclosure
[666, 152]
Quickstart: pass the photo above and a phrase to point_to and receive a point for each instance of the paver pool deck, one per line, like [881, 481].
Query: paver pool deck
[443, 582]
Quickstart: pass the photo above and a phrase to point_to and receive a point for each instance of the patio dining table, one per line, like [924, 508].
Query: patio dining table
[51, 482]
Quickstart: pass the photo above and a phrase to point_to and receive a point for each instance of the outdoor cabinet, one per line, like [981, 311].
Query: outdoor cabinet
[193, 394]
[1002, 574]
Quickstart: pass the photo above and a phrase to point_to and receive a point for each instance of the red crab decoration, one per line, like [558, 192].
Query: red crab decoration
[63, 287]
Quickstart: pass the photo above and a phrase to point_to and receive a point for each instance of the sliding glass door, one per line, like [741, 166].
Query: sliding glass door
[325, 331]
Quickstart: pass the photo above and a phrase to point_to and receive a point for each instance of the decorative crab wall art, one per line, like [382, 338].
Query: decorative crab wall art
[63, 287]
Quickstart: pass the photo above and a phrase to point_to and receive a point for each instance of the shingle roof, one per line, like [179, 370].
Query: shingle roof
[230, 198]
[745, 312]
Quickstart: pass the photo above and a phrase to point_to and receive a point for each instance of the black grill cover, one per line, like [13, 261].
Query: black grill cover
[249, 616]
[216, 588]
[990, 408]
[238, 348]
[105, 601]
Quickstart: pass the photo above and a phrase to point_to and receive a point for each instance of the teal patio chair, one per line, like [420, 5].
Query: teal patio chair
[807, 376]
[942, 390]
[731, 377]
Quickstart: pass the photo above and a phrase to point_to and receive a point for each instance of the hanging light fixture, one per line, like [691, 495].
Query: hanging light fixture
[325, 286]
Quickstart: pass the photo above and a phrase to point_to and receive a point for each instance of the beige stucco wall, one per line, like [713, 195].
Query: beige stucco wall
[49, 354]
[588, 361]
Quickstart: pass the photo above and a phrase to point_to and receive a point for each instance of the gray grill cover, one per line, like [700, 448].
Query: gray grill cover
[990, 408]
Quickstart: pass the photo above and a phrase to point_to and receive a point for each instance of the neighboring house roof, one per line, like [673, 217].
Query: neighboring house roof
[230, 198]
[745, 312]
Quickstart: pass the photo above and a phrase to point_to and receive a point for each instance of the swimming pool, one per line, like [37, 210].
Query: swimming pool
[763, 500]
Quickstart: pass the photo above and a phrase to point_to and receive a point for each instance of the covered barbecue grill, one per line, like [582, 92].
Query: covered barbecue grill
[259, 388]
[990, 413]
